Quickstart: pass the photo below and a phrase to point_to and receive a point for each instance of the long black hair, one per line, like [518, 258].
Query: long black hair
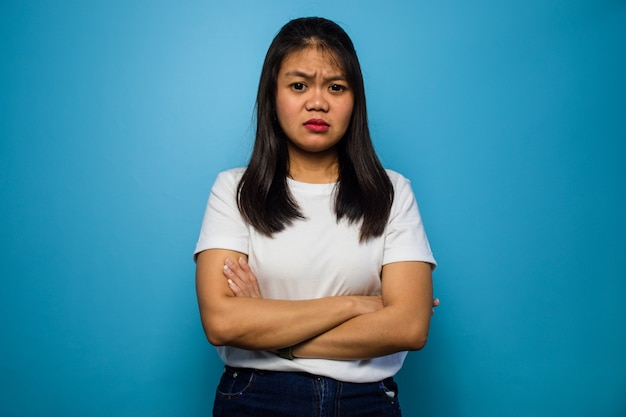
[364, 191]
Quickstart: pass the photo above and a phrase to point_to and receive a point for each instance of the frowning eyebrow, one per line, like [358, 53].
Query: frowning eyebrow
[309, 76]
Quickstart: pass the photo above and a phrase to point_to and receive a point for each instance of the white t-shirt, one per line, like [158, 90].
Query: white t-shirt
[313, 258]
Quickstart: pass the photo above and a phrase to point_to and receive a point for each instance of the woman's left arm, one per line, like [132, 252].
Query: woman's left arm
[402, 324]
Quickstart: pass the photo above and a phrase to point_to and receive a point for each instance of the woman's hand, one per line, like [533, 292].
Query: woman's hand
[234, 320]
[435, 304]
[241, 281]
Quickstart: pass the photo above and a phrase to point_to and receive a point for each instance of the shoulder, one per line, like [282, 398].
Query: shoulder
[231, 174]
[398, 180]
[229, 178]
[402, 190]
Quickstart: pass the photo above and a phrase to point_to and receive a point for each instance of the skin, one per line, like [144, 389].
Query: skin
[310, 86]
[235, 321]
[362, 337]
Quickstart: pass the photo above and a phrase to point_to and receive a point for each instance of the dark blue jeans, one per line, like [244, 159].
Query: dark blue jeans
[249, 393]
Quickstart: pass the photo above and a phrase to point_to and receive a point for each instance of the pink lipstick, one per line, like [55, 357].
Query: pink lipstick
[316, 125]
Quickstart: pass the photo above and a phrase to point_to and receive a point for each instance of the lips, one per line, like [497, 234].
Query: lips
[316, 125]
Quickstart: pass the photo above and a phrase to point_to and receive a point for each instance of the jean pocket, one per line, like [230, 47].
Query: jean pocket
[235, 382]
[390, 389]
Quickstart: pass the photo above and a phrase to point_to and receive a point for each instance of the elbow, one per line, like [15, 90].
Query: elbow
[214, 338]
[216, 333]
[416, 338]
[418, 342]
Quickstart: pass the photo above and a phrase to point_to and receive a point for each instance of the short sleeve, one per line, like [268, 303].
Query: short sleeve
[405, 237]
[223, 227]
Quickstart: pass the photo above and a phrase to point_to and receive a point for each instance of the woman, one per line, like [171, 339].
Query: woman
[313, 267]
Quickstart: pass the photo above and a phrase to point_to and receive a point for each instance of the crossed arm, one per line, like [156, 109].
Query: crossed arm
[344, 327]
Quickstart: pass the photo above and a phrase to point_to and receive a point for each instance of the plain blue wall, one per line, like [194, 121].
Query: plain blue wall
[509, 118]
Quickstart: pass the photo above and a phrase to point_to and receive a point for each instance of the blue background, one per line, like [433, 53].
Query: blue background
[508, 117]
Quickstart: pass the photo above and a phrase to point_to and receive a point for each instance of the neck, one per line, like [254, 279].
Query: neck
[316, 168]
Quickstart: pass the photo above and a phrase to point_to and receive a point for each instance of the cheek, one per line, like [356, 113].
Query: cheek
[348, 107]
[347, 113]
[284, 109]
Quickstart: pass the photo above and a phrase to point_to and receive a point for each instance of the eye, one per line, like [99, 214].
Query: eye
[298, 86]
[337, 88]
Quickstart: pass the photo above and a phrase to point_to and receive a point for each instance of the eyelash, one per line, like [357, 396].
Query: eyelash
[335, 88]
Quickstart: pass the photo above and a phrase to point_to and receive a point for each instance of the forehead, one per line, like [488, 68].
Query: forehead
[311, 58]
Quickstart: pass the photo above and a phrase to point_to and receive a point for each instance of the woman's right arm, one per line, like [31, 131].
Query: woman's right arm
[263, 324]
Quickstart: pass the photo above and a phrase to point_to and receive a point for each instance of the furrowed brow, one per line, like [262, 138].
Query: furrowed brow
[336, 78]
[299, 74]
[307, 76]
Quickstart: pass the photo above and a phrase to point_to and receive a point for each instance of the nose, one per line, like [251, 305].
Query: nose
[317, 101]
